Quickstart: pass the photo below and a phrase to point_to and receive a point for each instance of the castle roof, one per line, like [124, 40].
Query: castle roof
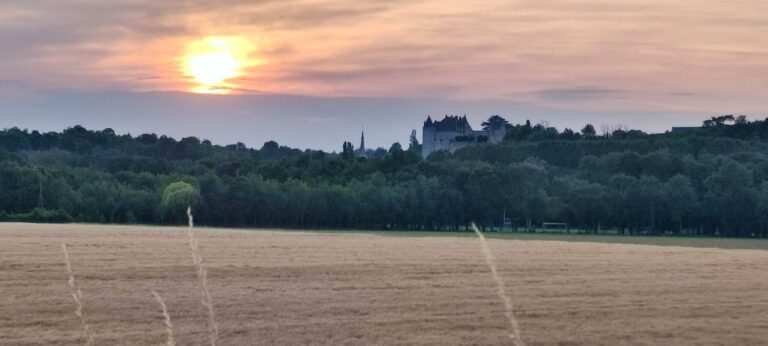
[450, 123]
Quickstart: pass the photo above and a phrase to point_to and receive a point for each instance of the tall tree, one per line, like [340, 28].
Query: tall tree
[588, 131]
[414, 145]
[495, 122]
[347, 151]
[681, 200]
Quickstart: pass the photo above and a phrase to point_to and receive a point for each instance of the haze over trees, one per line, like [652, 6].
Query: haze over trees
[711, 180]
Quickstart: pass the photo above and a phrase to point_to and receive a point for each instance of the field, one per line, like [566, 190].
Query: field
[288, 287]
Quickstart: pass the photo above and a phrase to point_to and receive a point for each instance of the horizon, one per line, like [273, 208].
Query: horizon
[116, 110]
[257, 146]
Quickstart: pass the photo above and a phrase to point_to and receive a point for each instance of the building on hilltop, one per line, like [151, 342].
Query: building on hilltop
[454, 132]
[685, 129]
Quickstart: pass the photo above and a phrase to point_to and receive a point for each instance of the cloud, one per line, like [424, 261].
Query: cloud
[239, 90]
[145, 78]
[555, 52]
[309, 15]
[576, 94]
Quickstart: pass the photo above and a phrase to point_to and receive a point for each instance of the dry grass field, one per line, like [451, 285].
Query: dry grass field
[273, 287]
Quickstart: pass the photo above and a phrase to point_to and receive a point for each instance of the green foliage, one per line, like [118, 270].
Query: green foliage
[708, 181]
[38, 215]
[588, 131]
[495, 122]
[177, 197]
[414, 145]
[347, 151]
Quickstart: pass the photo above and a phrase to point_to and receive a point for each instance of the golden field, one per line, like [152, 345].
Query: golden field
[287, 287]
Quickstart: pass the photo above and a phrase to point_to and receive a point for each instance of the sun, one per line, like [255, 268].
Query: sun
[213, 61]
[213, 68]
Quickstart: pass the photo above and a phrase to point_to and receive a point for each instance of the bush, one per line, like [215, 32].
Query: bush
[38, 215]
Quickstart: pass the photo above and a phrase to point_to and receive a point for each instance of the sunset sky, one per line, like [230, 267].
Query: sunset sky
[312, 73]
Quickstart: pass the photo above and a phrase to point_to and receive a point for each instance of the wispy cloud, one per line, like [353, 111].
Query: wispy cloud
[576, 94]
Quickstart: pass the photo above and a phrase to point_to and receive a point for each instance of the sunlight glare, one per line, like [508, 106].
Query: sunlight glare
[212, 61]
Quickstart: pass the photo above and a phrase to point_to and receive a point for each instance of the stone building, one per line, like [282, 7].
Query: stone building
[454, 132]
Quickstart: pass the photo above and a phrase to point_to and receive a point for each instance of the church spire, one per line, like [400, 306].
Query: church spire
[361, 149]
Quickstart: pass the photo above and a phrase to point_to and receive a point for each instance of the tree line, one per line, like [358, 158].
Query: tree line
[711, 180]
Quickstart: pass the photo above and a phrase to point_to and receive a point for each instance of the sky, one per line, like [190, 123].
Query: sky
[313, 73]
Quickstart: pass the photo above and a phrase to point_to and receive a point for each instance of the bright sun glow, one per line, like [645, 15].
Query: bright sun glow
[211, 62]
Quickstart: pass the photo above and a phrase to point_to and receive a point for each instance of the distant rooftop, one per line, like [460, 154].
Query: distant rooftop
[449, 123]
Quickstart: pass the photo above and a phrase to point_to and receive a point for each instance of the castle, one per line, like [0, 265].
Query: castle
[454, 132]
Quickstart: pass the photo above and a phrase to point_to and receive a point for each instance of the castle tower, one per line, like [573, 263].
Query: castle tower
[427, 137]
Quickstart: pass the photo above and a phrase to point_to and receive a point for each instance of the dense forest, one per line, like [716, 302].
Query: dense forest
[711, 180]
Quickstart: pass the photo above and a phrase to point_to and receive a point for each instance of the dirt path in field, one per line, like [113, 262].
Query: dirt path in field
[308, 288]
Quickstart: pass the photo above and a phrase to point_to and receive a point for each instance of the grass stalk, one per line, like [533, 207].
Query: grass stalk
[514, 328]
[202, 276]
[77, 295]
[168, 325]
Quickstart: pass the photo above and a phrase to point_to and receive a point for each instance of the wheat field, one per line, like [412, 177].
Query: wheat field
[277, 287]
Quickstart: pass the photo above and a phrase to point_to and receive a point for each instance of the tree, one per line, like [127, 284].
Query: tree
[681, 200]
[177, 197]
[584, 202]
[762, 208]
[494, 123]
[518, 132]
[731, 198]
[347, 151]
[588, 131]
[568, 134]
[270, 146]
[620, 206]
[719, 121]
[645, 196]
[414, 143]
